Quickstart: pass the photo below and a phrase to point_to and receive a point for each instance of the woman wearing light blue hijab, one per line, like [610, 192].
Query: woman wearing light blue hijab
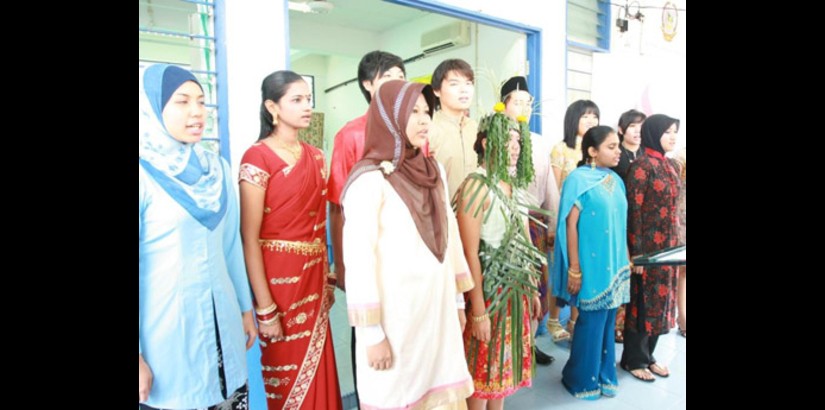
[592, 269]
[195, 308]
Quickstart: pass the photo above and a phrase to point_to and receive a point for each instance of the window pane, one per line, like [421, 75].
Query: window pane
[181, 33]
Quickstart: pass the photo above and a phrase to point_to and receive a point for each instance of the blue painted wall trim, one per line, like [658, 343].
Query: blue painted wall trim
[222, 83]
[604, 25]
[533, 38]
[534, 79]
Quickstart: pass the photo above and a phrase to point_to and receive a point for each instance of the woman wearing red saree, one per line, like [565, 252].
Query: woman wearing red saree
[283, 221]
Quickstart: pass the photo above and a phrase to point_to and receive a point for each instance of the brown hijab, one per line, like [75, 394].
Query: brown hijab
[416, 179]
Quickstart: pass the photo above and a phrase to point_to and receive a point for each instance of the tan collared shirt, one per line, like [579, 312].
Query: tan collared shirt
[452, 141]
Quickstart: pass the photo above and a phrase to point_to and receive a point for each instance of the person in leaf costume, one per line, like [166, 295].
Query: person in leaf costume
[492, 220]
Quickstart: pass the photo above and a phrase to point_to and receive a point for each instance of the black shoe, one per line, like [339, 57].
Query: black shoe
[543, 358]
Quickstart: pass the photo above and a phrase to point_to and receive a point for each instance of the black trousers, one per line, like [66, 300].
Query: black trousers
[354, 372]
[638, 350]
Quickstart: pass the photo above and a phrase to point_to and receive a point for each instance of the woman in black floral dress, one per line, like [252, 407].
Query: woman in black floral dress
[652, 192]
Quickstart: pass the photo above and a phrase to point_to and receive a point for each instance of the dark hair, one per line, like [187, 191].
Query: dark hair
[627, 118]
[453, 64]
[373, 64]
[594, 137]
[571, 119]
[273, 88]
[478, 147]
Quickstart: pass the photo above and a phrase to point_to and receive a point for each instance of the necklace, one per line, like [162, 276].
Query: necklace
[295, 150]
[632, 155]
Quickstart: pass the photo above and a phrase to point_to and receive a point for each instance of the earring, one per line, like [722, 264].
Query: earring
[592, 163]
[274, 120]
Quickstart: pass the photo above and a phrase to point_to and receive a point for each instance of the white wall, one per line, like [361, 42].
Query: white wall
[643, 70]
[255, 47]
[344, 103]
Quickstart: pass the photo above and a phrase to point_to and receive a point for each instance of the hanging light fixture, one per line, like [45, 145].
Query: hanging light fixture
[314, 6]
[622, 21]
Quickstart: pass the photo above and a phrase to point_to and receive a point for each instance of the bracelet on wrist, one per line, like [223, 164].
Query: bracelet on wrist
[267, 310]
[267, 317]
[269, 321]
[479, 319]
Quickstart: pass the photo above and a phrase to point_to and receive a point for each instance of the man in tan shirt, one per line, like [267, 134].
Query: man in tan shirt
[453, 133]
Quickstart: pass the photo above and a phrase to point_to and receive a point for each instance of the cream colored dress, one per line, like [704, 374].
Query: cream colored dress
[565, 158]
[394, 280]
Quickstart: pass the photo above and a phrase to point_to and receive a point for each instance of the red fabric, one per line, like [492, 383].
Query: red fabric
[652, 225]
[295, 206]
[501, 382]
[347, 150]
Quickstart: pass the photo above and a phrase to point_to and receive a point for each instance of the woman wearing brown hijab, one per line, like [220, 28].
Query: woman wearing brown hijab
[405, 266]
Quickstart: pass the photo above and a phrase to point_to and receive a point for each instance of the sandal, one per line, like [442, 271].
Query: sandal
[557, 332]
[683, 332]
[662, 372]
[650, 380]
[571, 327]
[619, 336]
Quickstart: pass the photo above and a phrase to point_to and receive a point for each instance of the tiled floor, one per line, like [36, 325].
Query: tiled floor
[547, 391]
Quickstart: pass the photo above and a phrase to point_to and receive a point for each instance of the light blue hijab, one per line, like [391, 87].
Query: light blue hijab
[196, 182]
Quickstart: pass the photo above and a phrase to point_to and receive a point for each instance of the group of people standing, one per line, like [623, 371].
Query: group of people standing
[441, 230]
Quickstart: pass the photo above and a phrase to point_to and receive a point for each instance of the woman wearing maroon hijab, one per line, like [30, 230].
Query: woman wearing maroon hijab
[405, 266]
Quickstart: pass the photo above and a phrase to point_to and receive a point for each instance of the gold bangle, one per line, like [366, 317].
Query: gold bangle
[574, 274]
[267, 310]
[479, 319]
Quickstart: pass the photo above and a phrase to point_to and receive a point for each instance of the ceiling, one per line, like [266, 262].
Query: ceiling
[351, 13]
[170, 15]
[374, 16]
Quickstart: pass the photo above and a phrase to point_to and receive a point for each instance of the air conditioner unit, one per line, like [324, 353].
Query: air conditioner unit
[446, 37]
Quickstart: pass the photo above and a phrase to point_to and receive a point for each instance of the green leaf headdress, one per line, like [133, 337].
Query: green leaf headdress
[496, 127]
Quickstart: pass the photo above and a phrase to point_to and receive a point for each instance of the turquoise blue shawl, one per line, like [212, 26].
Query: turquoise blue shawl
[600, 196]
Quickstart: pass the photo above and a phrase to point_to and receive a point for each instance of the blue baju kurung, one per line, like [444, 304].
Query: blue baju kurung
[599, 194]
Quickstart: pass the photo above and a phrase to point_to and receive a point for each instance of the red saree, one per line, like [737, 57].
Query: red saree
[299, 372]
